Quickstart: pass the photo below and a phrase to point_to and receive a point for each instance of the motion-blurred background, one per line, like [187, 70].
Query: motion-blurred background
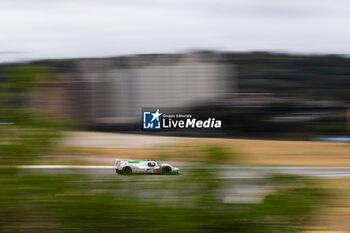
[255, 94]
[75, 75]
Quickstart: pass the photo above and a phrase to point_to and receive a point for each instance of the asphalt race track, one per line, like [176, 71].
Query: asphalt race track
[226, 172]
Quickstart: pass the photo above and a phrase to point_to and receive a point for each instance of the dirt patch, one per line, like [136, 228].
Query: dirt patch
[241, 151]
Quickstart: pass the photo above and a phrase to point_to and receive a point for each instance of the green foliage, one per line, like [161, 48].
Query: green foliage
[16, 80]
[24, 133]
[31, 202]
[216, 154]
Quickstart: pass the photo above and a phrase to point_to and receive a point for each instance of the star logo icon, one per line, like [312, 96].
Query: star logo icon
[151, 120]
[156, 115]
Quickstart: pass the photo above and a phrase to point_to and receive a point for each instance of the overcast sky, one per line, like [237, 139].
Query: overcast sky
[33, 29]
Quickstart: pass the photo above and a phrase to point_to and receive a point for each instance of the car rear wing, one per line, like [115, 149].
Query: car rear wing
[119, 163]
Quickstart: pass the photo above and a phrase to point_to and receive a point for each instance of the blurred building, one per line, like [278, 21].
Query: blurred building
[62, 96]
[114, 90]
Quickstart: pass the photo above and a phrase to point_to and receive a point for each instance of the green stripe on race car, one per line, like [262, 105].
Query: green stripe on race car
[137, 161]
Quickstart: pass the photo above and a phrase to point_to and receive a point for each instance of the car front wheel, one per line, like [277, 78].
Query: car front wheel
[166, 170]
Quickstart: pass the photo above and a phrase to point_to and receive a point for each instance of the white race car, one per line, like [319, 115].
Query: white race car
[128, 167]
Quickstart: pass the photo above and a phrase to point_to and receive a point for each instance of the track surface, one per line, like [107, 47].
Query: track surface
[226, 172]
